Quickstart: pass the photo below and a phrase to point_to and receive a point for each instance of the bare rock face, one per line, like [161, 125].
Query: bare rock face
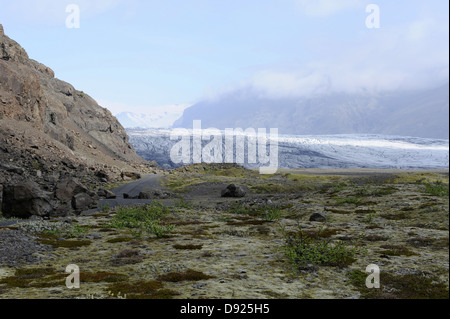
[30, 92]
[53, 138]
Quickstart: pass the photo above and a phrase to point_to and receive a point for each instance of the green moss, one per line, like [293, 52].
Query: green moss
[127, 257]
[420, 286]
[348, 200]
[394, 250]
[189, 275]
[395, 216]
[34, 278]
[338, 211]
[141, 290]
[375, 238]
[317, 233]
[52, 240]
[102, 276]
[187, 247]
[119, 240]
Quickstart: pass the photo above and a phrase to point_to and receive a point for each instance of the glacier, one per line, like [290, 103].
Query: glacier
[318, 151]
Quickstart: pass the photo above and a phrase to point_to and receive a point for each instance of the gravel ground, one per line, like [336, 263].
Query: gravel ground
[17, 247]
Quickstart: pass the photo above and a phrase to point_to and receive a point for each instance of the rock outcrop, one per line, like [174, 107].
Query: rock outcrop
[55, 142]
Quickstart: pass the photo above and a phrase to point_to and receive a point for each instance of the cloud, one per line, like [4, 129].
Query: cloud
[413, 55]
[323, 8]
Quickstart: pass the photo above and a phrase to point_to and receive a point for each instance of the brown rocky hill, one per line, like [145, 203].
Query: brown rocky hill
[55, 142]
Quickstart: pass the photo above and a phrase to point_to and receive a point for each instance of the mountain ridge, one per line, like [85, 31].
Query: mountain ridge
[420, 113]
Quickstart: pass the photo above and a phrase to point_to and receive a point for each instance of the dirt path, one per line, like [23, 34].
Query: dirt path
[147, 182]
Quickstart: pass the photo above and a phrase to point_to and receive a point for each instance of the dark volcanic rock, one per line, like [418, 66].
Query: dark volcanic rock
[68, 188]
[25, 200]
[106, 194]
[82, 201]
[130, 175]
[318, 217]
[155, 194]
[233, 191]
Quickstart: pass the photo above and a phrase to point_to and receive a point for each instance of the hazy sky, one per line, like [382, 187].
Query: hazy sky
[146, 53]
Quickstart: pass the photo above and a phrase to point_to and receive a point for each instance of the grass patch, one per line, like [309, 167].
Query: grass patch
[144, 219]
[265, 211]
[437, 188]
[303, 249]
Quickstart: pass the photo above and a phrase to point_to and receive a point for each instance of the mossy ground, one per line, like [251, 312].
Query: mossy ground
[230, 248]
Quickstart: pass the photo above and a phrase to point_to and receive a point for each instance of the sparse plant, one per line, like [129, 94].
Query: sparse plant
[105, 208]
[370, 217]
[181, 203]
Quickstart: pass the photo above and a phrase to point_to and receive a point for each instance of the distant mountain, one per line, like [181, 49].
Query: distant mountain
[420, 113]
[159, 117]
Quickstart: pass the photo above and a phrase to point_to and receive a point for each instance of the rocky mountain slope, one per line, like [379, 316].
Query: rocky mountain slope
[418, 113]
[56, 143]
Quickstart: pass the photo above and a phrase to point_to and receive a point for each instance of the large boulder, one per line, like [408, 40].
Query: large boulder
[233, 191]
[126, 176]
[67, 188]
[155, 194]
[24, 200]
[318, 217]
[106, 194]
[81, 202]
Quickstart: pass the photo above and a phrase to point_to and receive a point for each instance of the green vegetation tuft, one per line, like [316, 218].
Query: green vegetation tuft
[142, 219]
[437, 188]
[267, 212]
[303, 249]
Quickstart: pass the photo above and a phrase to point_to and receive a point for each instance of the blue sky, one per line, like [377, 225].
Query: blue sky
[139, 54]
